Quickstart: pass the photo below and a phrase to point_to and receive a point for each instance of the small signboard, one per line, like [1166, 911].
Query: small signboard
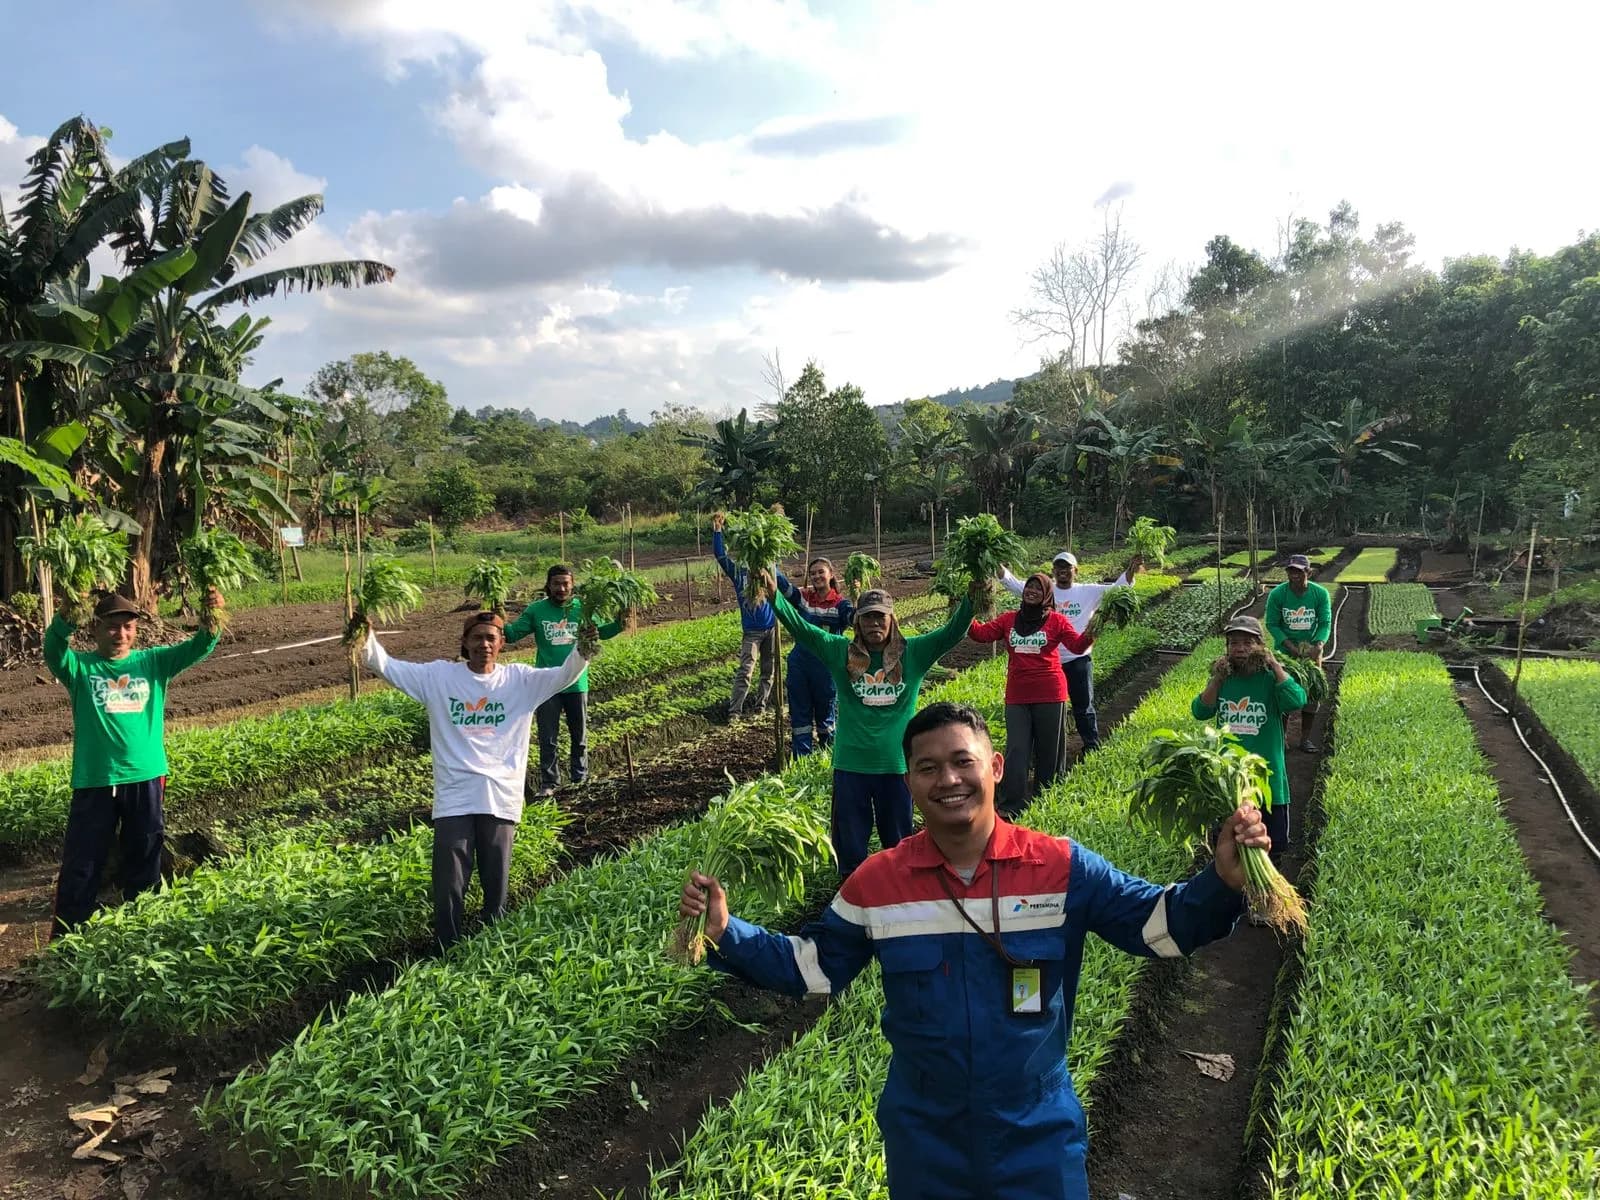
[293, 535]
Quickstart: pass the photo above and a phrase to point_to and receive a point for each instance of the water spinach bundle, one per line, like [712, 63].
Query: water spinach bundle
[763, 837]
[1151, 541]
[1119, 606]
[976, 553]
[1309, 675]
[489, 583]
[84, 556]
[385, 595]
[217, 559]
[608, 592]
[1196, 779]
[861, 571]
[758, 539]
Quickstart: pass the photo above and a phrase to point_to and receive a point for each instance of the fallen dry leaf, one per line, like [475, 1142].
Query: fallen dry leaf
[97, 1063]
[83, 1184]
[91, 1147]
[137, 1124]
[1217, 1066]
[151, 1083]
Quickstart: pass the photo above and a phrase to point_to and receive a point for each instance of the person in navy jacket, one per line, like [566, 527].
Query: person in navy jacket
[760, 626]
[813, 700]
[979, 927]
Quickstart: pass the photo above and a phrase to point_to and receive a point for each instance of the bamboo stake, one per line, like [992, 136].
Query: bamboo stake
[877, 527]
[807, 563]
[561, 518]
[1072, 516]
[630, 535]
[777, 695]
[283, 566]
[1219, 572]
[933, 532]
[349, 612]
[1477, 542]
[688, 588]
[1522, 617]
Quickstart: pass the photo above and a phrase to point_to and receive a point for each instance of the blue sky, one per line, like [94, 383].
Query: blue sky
[595, 204]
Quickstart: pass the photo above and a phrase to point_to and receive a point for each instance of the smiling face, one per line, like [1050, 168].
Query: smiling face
[114, 636]
[1241, 646]
[1297, 579]
[1033, 593]
[559, 588]
[951, 771]
[1066, 574]
[481, 645]
[818, 575]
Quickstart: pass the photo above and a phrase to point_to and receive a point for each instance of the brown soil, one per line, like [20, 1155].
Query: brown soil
[1162, 1130]
[1444, 568]
[1406, 565]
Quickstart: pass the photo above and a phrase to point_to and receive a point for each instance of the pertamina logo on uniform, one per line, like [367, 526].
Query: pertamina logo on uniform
[474, 714]
[1300, 619]
[1245, 717]
[876, 692]
[124, 694]
[560, 633]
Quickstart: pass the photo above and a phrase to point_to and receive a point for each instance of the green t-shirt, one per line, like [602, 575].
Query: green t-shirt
[555, 631]
[873, 714]
[118, 708]
[1252, 708]
[1304, 618]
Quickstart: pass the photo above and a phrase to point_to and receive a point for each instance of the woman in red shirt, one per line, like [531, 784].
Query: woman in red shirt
[1036, 690]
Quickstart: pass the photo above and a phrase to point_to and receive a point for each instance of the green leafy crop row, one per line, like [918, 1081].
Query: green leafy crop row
[1191, 614]
[1397, 607]
[222, 945]
[1437, 1047]
[1565, 696]
[1372, 565]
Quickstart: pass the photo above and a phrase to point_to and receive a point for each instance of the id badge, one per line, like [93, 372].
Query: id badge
[1027, 992]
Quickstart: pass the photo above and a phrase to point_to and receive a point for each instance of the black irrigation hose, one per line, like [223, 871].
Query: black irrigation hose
[1550, 775]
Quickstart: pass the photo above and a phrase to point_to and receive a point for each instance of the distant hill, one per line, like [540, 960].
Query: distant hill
[612, 425]
[985, 395]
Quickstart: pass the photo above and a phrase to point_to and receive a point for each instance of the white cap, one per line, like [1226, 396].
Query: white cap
[1066, 556]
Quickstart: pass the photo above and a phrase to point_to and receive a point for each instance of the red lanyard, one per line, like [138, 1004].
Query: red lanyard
[994, 905]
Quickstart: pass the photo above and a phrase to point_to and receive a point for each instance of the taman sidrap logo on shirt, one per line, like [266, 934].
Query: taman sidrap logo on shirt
[1244, 717]
[1300, 619]
[1028, 643]
[560, 633]
[875, 691]
[1073, 609]
[124, 694]
[476, 713]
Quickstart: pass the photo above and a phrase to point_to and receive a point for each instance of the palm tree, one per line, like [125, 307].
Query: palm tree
[1352, 439]
[739, 454]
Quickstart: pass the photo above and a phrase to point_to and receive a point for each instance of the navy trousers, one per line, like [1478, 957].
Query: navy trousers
[859, 801]
[130, 814]
[813, 701]
[1080, 692]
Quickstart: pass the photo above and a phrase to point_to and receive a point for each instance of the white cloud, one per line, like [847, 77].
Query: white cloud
[270, 179]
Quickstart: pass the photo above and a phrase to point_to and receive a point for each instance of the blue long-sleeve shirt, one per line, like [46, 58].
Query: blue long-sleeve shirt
[835, 618]
[946, 990]
[755, 618]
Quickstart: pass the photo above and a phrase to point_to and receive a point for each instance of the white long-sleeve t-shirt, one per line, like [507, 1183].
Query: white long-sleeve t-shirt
[478, 725]
[1077, 603]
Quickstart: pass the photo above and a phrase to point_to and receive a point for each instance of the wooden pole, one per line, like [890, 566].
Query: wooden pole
[283, 566]
[1275, 529]
[561, 519]
[630, 535]
[933, 533]
[294, 554]
[1522, 617]
[349, 612]
[1013, 525]
[433, 551]
[877, 528]
[688, 588]
[1219, 572]
[806, 565]
[777, 697]
[627, 751]
[1072, 517]
[1477, 542]
[361, 567]
[697, 551]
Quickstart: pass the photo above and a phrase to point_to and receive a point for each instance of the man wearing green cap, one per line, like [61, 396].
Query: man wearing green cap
[119, 762]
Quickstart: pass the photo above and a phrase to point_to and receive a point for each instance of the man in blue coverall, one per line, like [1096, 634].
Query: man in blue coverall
[979, 926]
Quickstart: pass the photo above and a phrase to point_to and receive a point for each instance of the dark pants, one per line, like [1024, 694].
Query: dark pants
[457, 842]
[92, 823]
[548, 719]
[1034, 740]
[1080, 691]
[858, 800]
[813, 701]
[1277, 823]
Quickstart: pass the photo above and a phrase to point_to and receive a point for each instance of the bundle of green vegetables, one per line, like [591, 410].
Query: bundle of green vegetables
[385, 595]
[758, 539]
[974, 556]
[1197, 779]
[84, 556]
[861, 571]
[763, 836]
[1308, 673]
[217, 559]
[489, 583]
[608, 592]
[1119, 606]
[1151, 541]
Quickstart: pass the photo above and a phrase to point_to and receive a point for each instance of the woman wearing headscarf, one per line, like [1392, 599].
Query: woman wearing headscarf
[813, 700]
[1036, 690]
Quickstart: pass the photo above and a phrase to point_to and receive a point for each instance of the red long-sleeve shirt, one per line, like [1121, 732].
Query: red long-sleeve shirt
[1033, 672]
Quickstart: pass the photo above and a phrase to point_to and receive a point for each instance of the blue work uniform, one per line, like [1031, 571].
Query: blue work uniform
[979, 1104]
[813, 699]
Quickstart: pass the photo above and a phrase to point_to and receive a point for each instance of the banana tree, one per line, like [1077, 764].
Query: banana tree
[1127, 450]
